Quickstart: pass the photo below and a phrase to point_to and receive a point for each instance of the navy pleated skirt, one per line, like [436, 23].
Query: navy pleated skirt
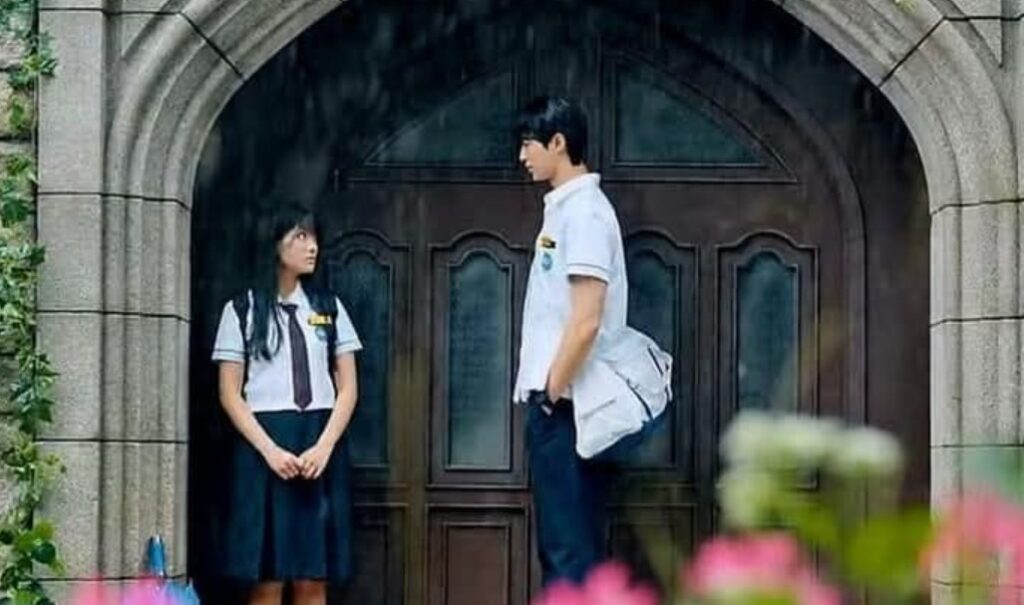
[279, 530]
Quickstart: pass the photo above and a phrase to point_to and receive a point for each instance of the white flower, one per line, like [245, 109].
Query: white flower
[805, 441]
[748, 438]
[747, 497]
[788, 442]
[866, 452]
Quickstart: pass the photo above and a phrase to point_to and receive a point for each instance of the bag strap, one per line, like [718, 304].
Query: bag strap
[241, 305]
[322, 302]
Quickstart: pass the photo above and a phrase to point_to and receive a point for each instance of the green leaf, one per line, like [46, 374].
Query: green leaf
[883, 552]
[44, 530]
[8, 577]
[20, 116]
[14, 210]
[816, 524]
[23, 543]
[24, 597]
[45, 553]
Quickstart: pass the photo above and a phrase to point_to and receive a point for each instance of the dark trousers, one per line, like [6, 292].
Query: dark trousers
[569, 493]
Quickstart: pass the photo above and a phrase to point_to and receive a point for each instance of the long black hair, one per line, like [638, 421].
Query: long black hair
[283, 218]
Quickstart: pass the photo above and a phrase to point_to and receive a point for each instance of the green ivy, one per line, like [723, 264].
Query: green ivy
[26, 402]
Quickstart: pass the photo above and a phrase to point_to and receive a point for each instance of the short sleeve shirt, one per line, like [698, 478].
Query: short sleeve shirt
[268, 385]
[580, 236]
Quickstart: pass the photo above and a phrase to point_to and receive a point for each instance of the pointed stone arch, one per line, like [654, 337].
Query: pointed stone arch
[135, 97]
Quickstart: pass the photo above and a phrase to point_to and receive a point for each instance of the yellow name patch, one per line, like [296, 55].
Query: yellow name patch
[319, 320]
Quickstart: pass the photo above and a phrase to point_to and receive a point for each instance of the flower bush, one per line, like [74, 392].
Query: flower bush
[980, 542]
[811, 511]
[145, 591]
[759, 568]
[814, 477]
[609, 584]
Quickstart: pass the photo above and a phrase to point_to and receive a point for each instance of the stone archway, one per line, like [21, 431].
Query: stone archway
[139, 88]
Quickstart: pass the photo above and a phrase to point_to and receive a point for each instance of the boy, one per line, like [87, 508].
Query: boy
[576, 296]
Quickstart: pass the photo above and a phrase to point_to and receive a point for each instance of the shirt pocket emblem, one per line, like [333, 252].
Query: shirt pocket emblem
[547, 243]
[546, 261]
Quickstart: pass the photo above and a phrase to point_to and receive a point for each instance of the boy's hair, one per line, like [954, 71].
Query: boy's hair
[544, 117]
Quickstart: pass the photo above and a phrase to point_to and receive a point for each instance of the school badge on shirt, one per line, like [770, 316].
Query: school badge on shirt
[321, 323]
[316, 319]
[547, 245]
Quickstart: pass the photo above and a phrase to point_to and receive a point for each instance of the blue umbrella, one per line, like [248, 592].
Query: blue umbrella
[155, 565]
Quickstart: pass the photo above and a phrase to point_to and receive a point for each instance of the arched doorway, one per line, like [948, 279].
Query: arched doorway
[773, 234]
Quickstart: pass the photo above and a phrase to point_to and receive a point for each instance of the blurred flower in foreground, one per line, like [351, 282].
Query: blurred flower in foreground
[147, 591]
[980, 539]
[748, 437]
[866, 452]
[793, 442]
[608, 584]
[756, 568]
[788, 441]
[771, 460]
[748, 497]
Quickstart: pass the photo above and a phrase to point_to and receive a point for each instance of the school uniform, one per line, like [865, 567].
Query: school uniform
[580, 236]
[280, 530]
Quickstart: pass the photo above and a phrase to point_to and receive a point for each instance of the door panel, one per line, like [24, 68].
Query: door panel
[663, 297]
[768, 324]
[478, 557]
[379, 544]
[477, 289]
[375, 279]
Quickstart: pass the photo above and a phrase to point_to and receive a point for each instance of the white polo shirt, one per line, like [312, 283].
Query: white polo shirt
[580, 236]
[268, 387]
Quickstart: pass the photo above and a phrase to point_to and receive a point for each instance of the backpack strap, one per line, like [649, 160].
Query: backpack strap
[241, 305]
[322, 302]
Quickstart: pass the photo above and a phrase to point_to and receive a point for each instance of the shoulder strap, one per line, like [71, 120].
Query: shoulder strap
[241, 305]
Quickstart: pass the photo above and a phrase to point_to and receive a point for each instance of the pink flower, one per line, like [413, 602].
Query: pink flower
[975, 532]
[733, 569]
[147, 591]
[93, 593]
[608, 584]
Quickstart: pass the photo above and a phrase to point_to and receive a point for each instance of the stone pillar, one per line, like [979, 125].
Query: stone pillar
[122, 123]
[113, 316]
[977, 316]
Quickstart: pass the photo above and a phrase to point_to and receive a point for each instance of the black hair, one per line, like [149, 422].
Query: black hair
[282, 219]
[544, 117]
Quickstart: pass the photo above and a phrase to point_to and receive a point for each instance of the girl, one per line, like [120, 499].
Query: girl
[288, 383]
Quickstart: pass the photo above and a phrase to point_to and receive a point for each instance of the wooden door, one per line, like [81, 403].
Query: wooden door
[759, 181]
[736, 243]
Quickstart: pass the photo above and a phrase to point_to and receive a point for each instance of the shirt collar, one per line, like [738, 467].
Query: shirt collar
[297, 297]
[566, 189]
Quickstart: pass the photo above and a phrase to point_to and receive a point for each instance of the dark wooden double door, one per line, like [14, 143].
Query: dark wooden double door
[741, 261]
